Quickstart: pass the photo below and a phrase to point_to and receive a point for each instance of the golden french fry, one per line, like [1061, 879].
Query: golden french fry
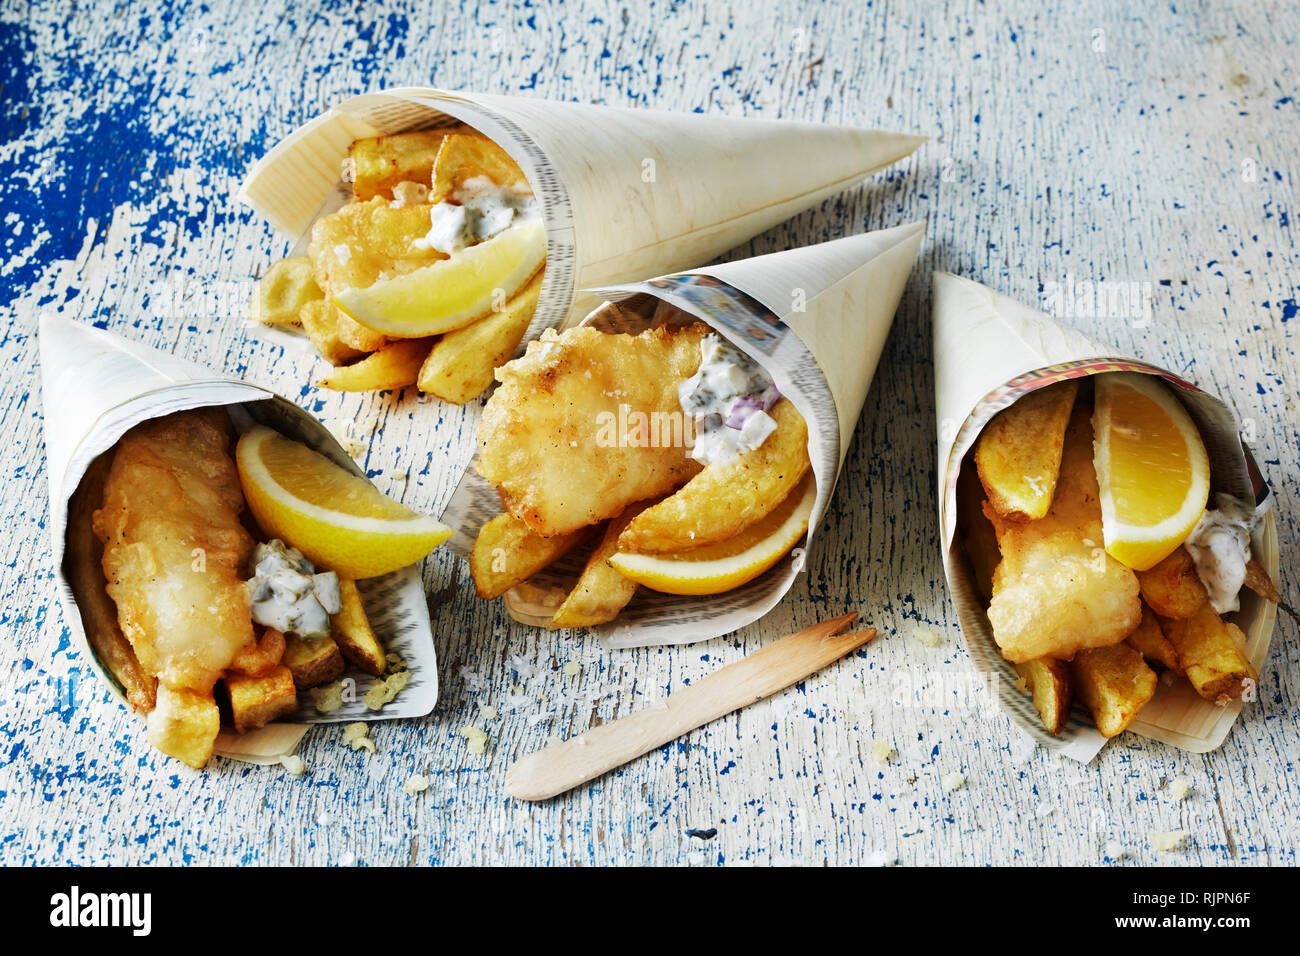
[1150, 641]
[601, 591]
[1019, 452]
[1115, 683]
[465, 156]
[1052, 687]
[396, 365]
[184, 724]
[462, 362]
[351, 629]
[381, 162]
[320, 320]
[1213, 654]
[84, 569]
[260, 657]
[507, 552]
[726, 498]
[284, 289]
[256, 701]
[1172, 588]
[313, 662]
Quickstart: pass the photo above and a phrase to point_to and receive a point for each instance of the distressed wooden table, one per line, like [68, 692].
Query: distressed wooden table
[1072, 144]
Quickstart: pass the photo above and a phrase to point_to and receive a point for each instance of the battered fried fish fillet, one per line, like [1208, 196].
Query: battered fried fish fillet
[1056, 591]
[575, 432]
[174, 547]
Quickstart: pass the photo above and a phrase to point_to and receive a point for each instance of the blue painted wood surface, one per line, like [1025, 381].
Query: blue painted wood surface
[1071, 143]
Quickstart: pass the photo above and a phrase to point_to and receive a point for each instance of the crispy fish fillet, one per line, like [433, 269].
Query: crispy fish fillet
[583, 424]
[1056, 591]
[174, 547]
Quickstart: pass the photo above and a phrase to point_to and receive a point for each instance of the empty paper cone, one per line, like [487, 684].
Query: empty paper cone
[989, 350]
[624, 193]
[96, 386]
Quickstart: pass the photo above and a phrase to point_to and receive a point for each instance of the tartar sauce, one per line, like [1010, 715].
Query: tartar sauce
[477, 210]
[1220, 547]
[288, 594]
[728, 398]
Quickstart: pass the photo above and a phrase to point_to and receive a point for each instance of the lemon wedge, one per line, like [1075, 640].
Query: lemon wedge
[451, 293]
[720, 567]
[1152, 469]
[340, 521]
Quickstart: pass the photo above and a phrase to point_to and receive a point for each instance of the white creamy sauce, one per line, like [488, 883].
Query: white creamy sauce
[288, 594]
[728, 398]
[476, 211]
[1220, 547]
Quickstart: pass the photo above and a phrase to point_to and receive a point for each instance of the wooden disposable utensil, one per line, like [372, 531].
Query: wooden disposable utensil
[563, 766]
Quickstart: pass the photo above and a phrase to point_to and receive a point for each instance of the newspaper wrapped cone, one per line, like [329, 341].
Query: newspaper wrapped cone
[816, 319]
[989, 350]
[95, 386]
[624, 193]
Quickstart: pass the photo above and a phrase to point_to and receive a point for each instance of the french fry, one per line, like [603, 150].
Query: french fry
[462, 362]
[465, 156]
[601, 591]
[1172, 588]
[1150, 641]
[320, 320]
[1115, 683]
[381, 162]
[256, 701]
[1052, 687]
[284, 289]
[261, 656]
[313, 662]
[184, 724]
[1213, 654]
[507, 552]
[977, 533]
[396, 365]
[1019, 452]
[351, 629]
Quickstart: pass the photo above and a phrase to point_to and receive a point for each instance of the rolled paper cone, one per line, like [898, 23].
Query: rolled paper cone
[816, 319]
[624, 193]
[130, 383]
[989, 350]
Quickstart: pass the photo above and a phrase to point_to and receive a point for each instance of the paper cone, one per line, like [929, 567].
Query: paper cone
[624, 193]
[816, 319]
[990, 350]
[95, 387]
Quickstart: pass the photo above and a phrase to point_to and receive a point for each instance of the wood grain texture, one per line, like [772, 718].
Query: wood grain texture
[1071, 143]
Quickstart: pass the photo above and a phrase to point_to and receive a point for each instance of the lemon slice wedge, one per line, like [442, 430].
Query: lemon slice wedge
[1152, 469]
[451, 293]
[720, 567]
[339, 520]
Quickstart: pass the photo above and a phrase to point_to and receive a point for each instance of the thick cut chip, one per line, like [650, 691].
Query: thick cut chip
[351, 629]
[396, 365]
[507, 552]
[184, 724]
[1172, 587]
[381, 162]
[256, 701]
[727, 497]
[313, 662]
[585, 423]
[285, 288]
[601, 591]
[1056, 590]
[465, 156]
[1115, 683]
[1019, 452]
[320, 320]
[1052, 687]
[1150, 641]
[1213, 655]
[462, 363]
